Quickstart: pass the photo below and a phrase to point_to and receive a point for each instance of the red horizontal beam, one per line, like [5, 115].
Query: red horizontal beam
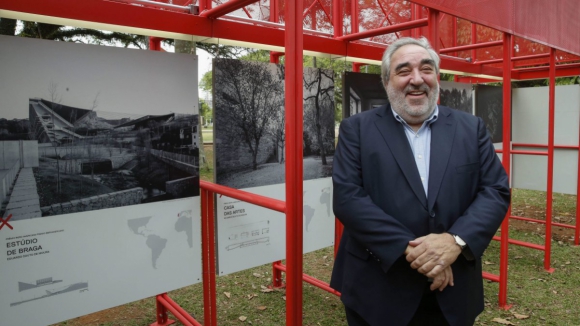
[545, 146]
[471, 46]
[263, 201]
[385, 30]
[522, 243]
[309, 279]
[181, 317]
[515, 151]
[561, 71]
[225, 8]
[564, 66]
[114, 13]
[489, 276]
[531, 56]
[533, 220]
[486, 62]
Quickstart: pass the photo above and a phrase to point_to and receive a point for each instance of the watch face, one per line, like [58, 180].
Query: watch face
[459, 241]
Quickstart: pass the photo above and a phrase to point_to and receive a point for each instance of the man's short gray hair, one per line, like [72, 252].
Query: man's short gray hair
[393, 47]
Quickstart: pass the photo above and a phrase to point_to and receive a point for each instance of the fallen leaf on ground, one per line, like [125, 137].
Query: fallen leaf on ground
[502, 321]
[251, 296]
[257, 275]
[266, 290]
[261, 308]
[229, 295]
[488, 262]
[242, 318]
[519, 316]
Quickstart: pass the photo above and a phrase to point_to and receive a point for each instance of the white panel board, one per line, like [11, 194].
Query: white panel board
[96, 260]
[58, 267]
[251, 236]
[530, 126]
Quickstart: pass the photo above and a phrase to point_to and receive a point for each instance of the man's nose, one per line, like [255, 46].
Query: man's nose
[416, 78]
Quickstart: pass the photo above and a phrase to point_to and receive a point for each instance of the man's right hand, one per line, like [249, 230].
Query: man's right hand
[442, 279]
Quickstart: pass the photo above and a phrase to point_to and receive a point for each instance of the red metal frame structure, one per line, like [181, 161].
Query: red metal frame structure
[485, 54]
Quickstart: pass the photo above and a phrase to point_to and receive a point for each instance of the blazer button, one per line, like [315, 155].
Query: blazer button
[432, 213]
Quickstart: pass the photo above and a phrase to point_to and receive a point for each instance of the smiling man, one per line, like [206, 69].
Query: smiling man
[421, 193]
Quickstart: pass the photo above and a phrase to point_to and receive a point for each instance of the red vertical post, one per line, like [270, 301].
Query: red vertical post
[274, 11]
[474, 40]
[354, 16]
[433, 29]
[550, 181]
[208, 263]
[433, 34]
[338, 229]
[162, 318]
[577, 231]
[154, 43]
[204, 5]
[506, 161]
[415, 14]
[294, 170]
[337, 17]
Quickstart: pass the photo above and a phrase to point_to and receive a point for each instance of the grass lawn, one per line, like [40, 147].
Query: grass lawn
[207, 135]
[536, 296]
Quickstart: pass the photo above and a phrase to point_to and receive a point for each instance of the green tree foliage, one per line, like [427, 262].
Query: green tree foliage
[204, 110]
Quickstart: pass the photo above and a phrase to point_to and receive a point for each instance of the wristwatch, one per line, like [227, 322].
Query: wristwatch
[459, 241]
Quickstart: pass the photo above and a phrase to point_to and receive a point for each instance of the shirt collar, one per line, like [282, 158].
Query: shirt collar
[432, 118]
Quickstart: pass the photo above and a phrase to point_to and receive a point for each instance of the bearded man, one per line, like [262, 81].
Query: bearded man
[421, 192]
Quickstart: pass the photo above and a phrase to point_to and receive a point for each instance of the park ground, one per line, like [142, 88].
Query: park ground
[535, 296]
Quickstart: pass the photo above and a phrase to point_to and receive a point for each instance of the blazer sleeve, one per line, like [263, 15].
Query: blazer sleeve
[484, 215]
[380, 234]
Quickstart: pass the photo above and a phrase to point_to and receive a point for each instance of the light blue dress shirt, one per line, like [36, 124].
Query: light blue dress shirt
[420, 143]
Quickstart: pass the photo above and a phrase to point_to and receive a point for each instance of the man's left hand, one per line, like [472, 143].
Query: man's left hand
[433, 253]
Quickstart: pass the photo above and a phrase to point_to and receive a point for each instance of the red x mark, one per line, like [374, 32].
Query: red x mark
[5, 222]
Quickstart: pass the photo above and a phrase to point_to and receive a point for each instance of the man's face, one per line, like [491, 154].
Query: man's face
[413, 88]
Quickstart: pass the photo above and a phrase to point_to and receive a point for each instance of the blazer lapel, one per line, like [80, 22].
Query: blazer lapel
[442, 134]
[394, 135]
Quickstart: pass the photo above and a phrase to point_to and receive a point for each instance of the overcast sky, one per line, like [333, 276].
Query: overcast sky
[127, 80]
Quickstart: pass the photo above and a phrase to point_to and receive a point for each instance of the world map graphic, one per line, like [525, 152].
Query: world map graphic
[153, 240]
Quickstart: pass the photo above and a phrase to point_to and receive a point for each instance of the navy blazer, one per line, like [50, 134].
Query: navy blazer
[379, 197]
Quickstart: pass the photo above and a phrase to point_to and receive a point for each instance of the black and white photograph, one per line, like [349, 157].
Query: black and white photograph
[81, 129]
[457, 96]
[249, 135]
[489, 107]
[362, 92]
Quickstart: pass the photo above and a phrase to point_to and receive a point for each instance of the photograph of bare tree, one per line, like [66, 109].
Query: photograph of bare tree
[249, 137]
[88, 131]
[362, 92]
[457, 96]
[489, 107]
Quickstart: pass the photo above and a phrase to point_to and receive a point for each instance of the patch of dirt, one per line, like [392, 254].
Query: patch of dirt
[559, 233]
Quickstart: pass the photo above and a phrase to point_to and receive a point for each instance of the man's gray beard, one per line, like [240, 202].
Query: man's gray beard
[400, 106]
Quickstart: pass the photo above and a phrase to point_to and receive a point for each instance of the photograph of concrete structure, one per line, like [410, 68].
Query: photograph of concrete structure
[362, 92]
[78, 160]
[249, 123]
[87, 128]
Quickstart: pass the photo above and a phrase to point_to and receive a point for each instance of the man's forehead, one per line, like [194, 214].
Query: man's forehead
[410, 51]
